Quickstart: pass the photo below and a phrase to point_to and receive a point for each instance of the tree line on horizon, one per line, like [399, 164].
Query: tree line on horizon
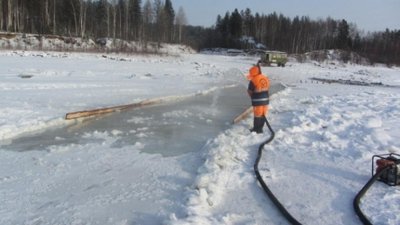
[156, 21]
[131, 20]
[300, 35]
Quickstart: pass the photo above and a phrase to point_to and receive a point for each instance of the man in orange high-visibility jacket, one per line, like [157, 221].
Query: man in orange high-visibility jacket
[258, 91]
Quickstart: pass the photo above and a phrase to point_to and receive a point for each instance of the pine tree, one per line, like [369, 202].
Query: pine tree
[135, 19]
[169, 14]
[248, 23]
[159, 19]
[343, 35]
[235, 24]
[102, 19]
[226, 30]
[120, 23]
[148, 18]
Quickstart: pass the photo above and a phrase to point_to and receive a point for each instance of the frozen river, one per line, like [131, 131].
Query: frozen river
[169, 129]
[130, 167]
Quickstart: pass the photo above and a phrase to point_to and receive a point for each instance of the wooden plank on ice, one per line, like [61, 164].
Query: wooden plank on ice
[243, 115]
[94, 112]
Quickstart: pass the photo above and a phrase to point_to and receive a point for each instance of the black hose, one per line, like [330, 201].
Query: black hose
[281, 208]
[356, 202]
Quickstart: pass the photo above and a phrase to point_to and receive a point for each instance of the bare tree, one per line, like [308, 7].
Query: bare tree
[46, 14]
[6, 14]
[2, 13]
[75, 14]
[114, 17]
[180, 22]
[126, 17]
[54, 17]
[82, 17]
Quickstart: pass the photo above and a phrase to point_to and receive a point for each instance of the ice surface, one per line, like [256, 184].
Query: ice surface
[169, 129]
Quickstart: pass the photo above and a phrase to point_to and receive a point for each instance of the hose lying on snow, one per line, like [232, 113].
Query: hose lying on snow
[356, 202]
[281, 208]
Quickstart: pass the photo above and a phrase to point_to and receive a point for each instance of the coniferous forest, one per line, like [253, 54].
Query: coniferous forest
[158, 21]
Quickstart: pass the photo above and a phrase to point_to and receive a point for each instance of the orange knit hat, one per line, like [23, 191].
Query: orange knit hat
[255, 70]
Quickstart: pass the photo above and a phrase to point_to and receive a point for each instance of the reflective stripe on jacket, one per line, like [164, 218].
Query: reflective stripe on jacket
[258, 90]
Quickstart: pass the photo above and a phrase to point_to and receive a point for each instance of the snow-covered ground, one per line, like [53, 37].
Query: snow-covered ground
[320, 158]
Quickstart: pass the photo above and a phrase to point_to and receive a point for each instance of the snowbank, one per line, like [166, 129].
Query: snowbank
[17, 41]
[326, 135]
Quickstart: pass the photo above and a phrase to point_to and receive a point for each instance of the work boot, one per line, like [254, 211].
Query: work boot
[258, 123]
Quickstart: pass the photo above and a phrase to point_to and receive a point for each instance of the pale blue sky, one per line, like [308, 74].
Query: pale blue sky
[368, 15]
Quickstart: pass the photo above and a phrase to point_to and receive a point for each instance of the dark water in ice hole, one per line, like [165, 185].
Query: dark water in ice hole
[169, 129]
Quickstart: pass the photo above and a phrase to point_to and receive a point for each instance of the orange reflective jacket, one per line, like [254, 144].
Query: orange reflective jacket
[258, 87]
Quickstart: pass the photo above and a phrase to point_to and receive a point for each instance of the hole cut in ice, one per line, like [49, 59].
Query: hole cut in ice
[169, 129]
